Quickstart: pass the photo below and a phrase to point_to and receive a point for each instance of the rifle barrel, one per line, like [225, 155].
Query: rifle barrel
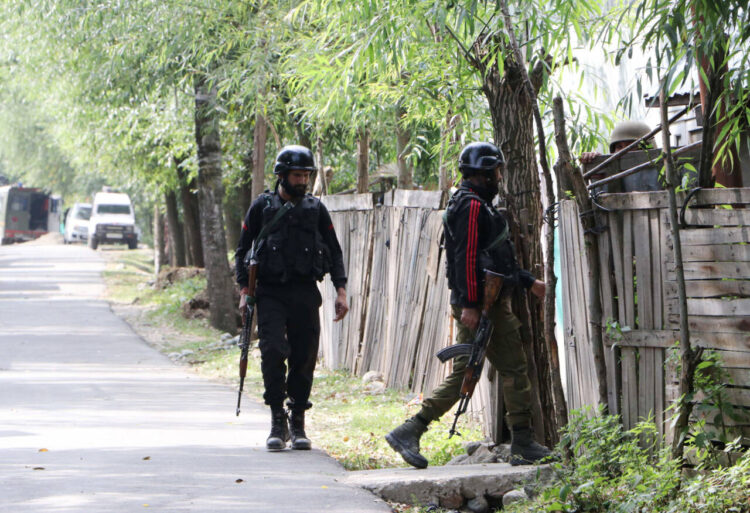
[239, 395]
[244, 347]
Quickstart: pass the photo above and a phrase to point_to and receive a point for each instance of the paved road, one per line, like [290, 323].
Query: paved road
[94, 420]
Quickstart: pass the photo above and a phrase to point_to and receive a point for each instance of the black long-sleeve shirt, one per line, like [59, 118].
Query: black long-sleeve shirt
[251, 228]
[473, 226]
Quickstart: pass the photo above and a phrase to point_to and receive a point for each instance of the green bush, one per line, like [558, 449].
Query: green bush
[726, 489]
[610, 469]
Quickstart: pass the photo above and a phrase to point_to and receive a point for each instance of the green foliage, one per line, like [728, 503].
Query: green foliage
[677, 35]
[103, 92]
[721, 490]
[710, 437]
[115, 81]
[172, 299]
[614, 470]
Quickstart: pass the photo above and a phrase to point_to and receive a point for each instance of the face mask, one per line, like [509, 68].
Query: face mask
[487, 190]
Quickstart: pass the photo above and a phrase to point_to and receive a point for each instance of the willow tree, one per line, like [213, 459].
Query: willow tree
[126, 62]
[460, 65]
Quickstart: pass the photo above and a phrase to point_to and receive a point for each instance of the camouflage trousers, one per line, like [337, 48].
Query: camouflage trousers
[505, 352]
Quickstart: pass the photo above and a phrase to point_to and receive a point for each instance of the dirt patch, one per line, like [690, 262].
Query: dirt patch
[196, 307]
[48, 239]
[171, 275]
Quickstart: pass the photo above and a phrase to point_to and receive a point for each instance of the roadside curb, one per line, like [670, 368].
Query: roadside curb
[449, 486]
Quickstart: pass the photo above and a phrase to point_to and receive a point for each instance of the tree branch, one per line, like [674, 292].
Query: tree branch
[689, 357]
[467, 54]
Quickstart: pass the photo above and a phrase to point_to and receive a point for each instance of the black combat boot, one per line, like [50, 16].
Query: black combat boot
[405, 441]
[523, 449]
[300, 442]
[279, 431]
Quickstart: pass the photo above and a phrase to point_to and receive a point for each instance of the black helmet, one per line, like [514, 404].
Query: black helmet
[294, 157]
[480, 156]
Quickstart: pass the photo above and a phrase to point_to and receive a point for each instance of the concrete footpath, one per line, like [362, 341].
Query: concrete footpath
[94, 420]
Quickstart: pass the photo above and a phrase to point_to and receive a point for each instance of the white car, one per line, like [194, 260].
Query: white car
[112, 220]
[77, 223]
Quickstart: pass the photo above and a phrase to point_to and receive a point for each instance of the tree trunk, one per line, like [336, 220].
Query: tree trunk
[553, 368]
[363, 163]
[160, 255]
[238, 201]
[403, 136]
[260, 134]
[571, 175]
[235, 216]
[444, 183]
[211, 191]
[246, 186]
[320, 188]
[176, 238]
[191, 216]
[727, 172]
[512, 120]
[689, 357]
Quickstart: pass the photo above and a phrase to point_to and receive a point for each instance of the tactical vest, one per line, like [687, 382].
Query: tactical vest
[293, 249]
[498, 256]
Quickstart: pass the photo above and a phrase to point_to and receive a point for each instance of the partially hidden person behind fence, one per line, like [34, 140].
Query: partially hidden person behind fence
[476, 238]
[623, 134]
[290, 236]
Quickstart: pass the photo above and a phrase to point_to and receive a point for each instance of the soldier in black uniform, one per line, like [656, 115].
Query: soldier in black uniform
[476, 238]
[297, 248]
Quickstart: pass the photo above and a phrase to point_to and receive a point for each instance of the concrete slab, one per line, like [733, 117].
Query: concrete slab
[448, 486]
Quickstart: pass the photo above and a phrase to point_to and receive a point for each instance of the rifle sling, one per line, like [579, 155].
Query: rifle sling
[286, 207]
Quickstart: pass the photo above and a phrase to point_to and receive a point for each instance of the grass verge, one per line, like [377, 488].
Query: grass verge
[346, 421]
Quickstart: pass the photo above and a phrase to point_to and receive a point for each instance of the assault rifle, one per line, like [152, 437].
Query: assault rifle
[247, 326]
[252, 273]
[493, 282]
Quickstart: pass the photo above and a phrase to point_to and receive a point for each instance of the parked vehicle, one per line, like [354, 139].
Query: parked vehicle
[27, 213]
[77, 223]
[112, 220]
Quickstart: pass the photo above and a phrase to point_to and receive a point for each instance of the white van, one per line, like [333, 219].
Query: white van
[77, 223]
[112, 220]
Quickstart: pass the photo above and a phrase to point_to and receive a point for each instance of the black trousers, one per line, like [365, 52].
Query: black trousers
[289, 330]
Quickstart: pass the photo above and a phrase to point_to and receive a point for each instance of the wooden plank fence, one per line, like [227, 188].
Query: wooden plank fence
[399, 299]
[639, 294]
